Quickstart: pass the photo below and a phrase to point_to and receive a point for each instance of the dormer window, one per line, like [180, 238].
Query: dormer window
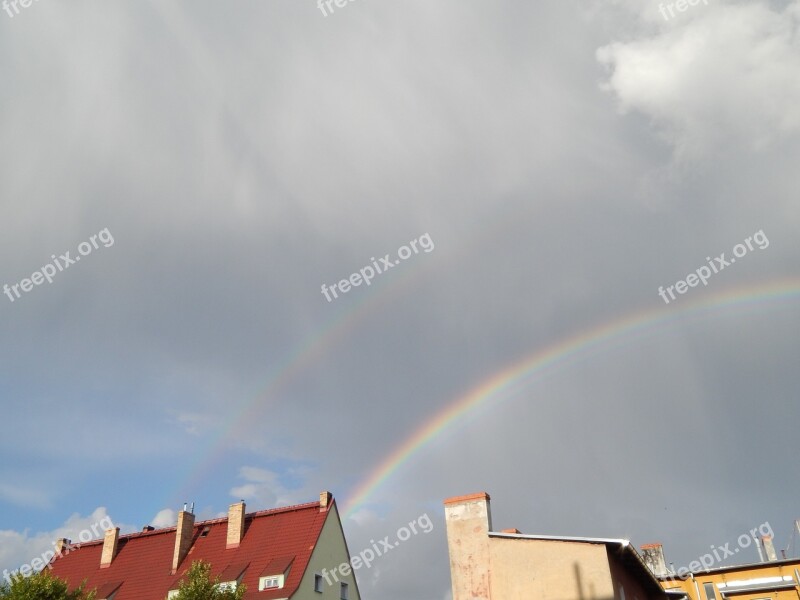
[271, 582]
[231, 576]
[274, 575]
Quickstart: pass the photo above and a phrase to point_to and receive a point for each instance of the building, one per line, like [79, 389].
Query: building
[282, 553]
[508, 565]
[772, 579]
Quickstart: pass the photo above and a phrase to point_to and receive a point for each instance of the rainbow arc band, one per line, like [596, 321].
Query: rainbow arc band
[563, 351]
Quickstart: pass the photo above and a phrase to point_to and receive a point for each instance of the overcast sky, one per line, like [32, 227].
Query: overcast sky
[561, 160]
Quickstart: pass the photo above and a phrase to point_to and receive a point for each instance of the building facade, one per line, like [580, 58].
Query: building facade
[509, 565]
[772, 579]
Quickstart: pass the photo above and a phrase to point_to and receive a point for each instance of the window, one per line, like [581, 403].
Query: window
[171, 594]
[270, 582]
[318, 583]
[227, 585]
[710, 593]
[344, 592]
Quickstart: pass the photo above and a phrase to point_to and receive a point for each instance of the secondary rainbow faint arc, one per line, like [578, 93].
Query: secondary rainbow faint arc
[573, 346]
[295, 363]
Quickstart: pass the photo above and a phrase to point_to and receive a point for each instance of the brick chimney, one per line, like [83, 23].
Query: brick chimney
[183, 538]
[469, 521]
[325, 499]
[653, 557]
[110, 544]
[235, 524]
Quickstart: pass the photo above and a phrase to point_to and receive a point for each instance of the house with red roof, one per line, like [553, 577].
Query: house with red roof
[279, 554]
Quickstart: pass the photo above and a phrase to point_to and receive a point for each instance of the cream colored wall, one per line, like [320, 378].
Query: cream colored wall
[549, 570]
[330, 552]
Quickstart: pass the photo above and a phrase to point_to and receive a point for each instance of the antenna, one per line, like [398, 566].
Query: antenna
[192, 509]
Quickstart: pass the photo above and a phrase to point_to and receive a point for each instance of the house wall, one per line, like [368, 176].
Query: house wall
[331, 551]
[549, 569]
[626, 586]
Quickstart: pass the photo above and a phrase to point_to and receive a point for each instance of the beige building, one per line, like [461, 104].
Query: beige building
[508, 565]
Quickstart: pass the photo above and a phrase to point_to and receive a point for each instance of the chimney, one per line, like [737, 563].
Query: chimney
[325, 501]
[769, 548]
[469, 521]
[62, 546]
[235, 524]
[183, 538]
[653, 557]
[109, 547]
[147, 528]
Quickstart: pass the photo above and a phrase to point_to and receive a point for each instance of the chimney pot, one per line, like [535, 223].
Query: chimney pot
[235, 524]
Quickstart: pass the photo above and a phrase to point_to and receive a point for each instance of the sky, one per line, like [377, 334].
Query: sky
[568, 331]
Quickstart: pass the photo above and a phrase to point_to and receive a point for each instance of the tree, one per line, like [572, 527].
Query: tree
[198, 585]
[42, 586]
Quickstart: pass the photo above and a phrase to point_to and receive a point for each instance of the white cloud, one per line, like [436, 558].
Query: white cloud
[721, 75]
[164, 518]
[264, 488]
[22, 547]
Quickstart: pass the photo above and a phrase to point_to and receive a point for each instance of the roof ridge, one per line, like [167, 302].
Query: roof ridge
[215, 521]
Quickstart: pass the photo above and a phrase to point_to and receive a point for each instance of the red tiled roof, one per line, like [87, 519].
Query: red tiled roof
[143, 563]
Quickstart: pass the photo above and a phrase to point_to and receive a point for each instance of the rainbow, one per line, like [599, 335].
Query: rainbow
[314, 346]
[562, 352]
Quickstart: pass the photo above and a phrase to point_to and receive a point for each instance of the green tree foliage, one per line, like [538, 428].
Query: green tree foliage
[41, 586]
[198, 585]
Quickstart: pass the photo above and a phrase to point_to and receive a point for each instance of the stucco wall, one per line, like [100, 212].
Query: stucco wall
[331, 551]
[549, 570]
